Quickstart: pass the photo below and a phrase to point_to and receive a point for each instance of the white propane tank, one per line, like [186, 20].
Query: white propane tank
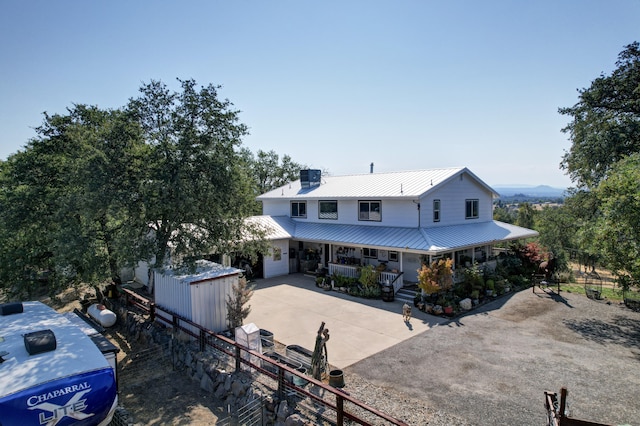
[102, 315]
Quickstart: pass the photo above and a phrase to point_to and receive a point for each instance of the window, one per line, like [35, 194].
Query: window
[299, 209]
[393, 256]
[436, 210]
[372, 253]
[328, 210]
[369, 210]
[471, 209]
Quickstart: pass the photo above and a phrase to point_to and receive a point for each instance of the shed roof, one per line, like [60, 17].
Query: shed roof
[204, 271]
[409, 184]
[424, 240]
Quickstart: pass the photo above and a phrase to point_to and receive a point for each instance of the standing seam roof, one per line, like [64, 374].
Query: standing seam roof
[429, 240]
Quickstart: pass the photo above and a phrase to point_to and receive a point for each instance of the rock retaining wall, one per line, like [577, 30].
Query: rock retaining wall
[211, 372]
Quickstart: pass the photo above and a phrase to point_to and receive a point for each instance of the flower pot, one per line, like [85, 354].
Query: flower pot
[336, 378]
[448, 310]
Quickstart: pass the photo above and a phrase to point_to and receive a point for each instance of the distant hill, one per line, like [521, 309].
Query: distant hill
[529, 191]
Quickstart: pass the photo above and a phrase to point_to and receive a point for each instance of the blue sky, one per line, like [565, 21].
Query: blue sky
[337, 85]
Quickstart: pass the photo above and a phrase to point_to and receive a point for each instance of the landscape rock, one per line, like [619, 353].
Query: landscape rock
[466, 304]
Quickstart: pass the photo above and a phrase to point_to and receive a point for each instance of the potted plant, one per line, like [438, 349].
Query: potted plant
[475, 294]
[417, 299]
[436, 278]
[447, 307]
[490, 287]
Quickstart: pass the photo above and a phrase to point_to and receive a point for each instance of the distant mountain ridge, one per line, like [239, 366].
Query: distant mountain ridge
[530, 191]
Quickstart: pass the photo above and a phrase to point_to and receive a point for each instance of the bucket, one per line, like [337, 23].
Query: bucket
[299, 381]
[267, 346]
[336, 378]
[266, 335]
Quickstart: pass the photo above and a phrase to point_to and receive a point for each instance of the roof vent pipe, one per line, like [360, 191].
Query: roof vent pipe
[371, 168]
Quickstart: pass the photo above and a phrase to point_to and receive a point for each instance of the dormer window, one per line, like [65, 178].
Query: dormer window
[370, 210]
[327, 210]
[299, 209]
[471, 210]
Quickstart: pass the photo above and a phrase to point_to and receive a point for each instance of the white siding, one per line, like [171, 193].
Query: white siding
[452, 198]
[209, 302]
[274, 268]
[410, 265]
[278, 207]
[404, 211]
[141, 273]
[203, 302]
[172, 294]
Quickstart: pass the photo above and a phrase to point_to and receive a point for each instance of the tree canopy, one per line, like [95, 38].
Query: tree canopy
[605, 124]
[600, 217]
[98, 190]
[617, 227]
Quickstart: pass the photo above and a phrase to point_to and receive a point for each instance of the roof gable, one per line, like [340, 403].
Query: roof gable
[405, 184]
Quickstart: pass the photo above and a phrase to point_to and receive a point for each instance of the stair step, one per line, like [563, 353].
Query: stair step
[406, 295]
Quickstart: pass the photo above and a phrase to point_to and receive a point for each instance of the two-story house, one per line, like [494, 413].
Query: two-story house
[399, 219]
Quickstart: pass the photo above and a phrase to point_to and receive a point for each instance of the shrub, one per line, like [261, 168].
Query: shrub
[368, 276]
[367, 292]
[437, 277]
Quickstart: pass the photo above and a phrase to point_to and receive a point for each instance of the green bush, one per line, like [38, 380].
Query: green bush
[491, 285]
[368, 276]
[367, 292]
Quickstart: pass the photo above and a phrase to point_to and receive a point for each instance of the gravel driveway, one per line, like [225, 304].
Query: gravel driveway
[492, 367]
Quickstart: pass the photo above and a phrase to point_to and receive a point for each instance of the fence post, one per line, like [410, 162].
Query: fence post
[281, 388]
[152, 311]
[202, 339]
[339, 410]
[563, 403]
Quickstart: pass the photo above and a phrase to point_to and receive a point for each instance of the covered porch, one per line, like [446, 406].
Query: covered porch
[396, 252]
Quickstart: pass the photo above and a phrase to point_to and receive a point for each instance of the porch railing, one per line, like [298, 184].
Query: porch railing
[384, 277]
[344, 270]
[391, 278]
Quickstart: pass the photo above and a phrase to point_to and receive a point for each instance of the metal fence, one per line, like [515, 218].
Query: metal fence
[316, 400]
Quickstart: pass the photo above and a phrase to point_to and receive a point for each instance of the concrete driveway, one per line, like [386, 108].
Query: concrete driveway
[293, 308]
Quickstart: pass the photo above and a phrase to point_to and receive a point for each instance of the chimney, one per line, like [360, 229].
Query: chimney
[371, 168]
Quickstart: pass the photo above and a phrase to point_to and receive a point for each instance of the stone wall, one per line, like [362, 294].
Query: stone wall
[213, 373]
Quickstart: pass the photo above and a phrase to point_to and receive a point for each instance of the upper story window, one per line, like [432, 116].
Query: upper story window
[327, 210]
[436, 210]
[471, 211]
[299, 209]
[369, 210]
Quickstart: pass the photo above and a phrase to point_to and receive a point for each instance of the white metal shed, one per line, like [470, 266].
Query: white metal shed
[199, 296]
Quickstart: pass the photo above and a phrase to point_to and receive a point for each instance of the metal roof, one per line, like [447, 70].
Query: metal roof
[426, 240]
[204, 271]
[411, 184]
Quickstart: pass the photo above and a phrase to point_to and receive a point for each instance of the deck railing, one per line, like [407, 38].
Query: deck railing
[385, 277]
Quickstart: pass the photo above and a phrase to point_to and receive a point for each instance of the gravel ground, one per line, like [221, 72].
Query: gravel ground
[489, 367]
[493, 366]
